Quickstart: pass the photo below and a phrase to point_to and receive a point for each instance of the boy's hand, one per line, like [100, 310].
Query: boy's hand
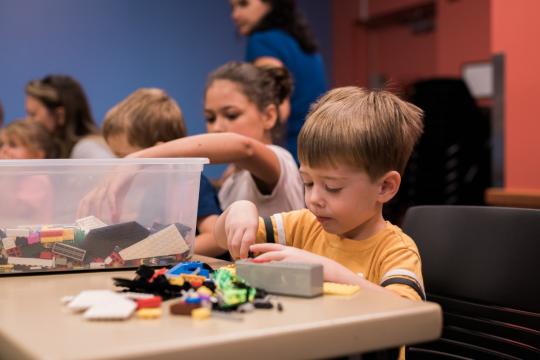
[333, 271]
[239, 226]
[106, 199]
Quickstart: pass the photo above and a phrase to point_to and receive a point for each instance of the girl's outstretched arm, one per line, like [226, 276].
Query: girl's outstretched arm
[245, 152]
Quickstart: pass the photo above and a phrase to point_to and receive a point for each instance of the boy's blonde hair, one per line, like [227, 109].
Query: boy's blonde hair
[33, 136]
[147, 116]
[372, 130]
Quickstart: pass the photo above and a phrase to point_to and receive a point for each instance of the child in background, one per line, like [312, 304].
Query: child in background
[26, 139]
[32, 196]
[148, 117]
[242, 111]
[353, 147]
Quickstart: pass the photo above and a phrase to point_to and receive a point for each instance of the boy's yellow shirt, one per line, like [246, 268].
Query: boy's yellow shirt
[389, 258]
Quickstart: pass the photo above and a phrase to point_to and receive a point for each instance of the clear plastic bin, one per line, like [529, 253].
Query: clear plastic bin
[78, 214]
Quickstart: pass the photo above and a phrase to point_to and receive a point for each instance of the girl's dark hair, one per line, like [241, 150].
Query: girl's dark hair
[263, 85]
[63, 91]
[285, 15]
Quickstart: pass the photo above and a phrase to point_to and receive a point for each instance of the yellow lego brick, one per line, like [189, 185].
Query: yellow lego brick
[69, 234]
[149, 313]
[204, 290]
[189, 277]
[330, 288]
[6, 268]
[200, 313]
[51, 239]
[176, 280]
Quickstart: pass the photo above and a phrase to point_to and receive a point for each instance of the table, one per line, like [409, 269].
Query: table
[35, 325]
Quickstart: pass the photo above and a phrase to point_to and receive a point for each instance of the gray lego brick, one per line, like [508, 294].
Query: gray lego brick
[284, 278]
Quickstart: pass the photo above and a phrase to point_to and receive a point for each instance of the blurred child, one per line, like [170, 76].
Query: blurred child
[352, 149]
[148, 117]
[32, 196]
[242, 111]
[26, 139]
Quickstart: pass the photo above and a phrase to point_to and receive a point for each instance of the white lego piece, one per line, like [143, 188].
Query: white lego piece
[136, 296]
[31, 262]
[17, 232]
[89, 298]
[97, 265]
[116, 310]
[89, 223]
[8, 243]
[168, 241]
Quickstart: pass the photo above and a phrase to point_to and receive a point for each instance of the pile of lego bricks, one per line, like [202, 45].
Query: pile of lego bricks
[91, 244]
[198, 291]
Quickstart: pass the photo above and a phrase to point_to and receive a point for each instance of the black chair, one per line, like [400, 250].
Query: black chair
[481, 264]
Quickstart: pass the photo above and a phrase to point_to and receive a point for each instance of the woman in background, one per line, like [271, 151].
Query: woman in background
[59, 103]
[278, 35]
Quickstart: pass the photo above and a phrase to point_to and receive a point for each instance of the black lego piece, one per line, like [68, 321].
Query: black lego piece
[100, 242]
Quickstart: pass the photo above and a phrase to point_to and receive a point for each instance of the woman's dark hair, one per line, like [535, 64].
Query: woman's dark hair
[263, 85]
[285, 15]
[63, 91]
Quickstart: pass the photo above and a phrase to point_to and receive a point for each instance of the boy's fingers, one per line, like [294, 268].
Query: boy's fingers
[248, 238]
[262, 248]
[270, 256]
[234, 241]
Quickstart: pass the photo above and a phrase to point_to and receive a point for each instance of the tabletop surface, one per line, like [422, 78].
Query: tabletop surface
[34, 324]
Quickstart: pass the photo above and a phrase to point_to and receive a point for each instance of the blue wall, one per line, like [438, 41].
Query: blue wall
[116, 46]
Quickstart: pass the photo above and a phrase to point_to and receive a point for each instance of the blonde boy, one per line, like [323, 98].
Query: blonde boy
[352, 148]
[147, 117]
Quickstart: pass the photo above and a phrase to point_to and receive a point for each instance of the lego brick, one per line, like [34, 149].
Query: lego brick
[21, 241]
[68, 234]
[182, 308]
[50, 239]
[118, 309]
[60, 260]
[14, 252]
[284, 278]
[184, 229]
[68, 251]
[168, 241]
[101, 242]
[330, 288]
[88, 298]
[89, 223]
[193, 268]
[52, 232]
[17, 232]
[32, 250]
[149, 313]
[8, 243]
[33, 238]
[30, 262]
[201, 313]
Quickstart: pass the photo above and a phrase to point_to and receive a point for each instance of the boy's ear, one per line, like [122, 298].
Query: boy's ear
[389, 186]
[270, 117]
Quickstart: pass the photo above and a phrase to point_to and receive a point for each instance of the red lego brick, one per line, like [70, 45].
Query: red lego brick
[149, 303]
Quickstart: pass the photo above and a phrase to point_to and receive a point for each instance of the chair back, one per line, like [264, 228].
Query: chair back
[481, 265]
